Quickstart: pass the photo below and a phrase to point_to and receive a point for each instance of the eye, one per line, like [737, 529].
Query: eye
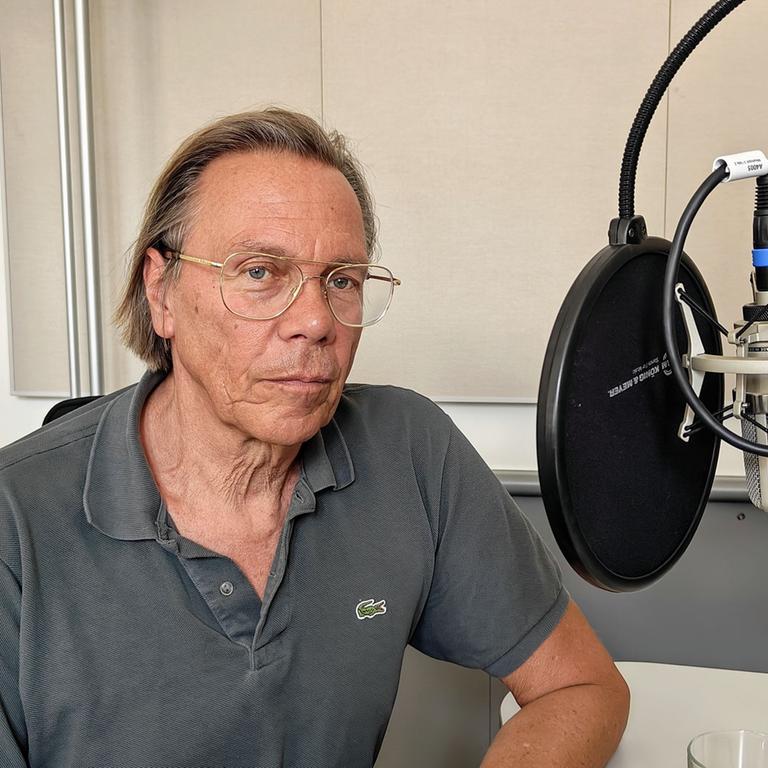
[341, 283]
[348, 281]
[261, 270]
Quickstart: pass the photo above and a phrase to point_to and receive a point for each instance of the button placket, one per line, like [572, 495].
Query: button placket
[227, 593]
[302, 503]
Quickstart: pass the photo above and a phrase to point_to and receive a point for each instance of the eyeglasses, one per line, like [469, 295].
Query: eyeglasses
[258, 286]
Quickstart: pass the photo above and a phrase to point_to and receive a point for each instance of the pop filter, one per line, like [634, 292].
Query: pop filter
[623, 493]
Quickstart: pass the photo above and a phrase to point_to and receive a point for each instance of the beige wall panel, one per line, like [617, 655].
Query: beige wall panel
[163, 69]
[717, 107]
[493, 133]
[32, 199]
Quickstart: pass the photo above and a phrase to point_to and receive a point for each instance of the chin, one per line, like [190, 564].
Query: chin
[290, 430]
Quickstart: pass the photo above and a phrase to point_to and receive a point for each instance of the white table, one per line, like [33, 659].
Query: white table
[672, 704]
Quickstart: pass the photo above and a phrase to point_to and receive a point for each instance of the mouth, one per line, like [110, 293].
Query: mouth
[302, 379]
[302, 383]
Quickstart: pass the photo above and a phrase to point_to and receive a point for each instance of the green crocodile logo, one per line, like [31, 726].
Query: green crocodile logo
[367, 609]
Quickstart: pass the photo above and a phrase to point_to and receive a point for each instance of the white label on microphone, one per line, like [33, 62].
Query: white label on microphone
[744, 165]
[642, 373]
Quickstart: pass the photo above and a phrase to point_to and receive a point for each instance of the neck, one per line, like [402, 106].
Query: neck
[194, 455]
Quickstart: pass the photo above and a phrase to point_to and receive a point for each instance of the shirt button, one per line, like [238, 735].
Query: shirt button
[226, 588]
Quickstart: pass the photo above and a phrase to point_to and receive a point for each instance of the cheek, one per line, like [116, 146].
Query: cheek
[237, 348]
[206, 335]
[351, 344]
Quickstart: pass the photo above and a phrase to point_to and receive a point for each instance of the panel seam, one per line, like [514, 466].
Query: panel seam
[322, 56]
[666, 129]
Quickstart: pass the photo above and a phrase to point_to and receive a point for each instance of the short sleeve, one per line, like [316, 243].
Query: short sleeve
[496, 593]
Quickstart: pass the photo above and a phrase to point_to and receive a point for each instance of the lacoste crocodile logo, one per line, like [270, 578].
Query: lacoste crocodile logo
[367, 609]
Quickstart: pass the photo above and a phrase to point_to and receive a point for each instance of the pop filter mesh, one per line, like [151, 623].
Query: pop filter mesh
[632, 491]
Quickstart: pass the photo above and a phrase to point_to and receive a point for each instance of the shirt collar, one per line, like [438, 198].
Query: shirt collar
[120, 496]
[326, 460]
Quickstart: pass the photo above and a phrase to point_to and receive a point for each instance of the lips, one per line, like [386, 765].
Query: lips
[303, 379]
[301, 386]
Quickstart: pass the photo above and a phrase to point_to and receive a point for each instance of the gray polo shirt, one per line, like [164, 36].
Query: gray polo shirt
[124, 644]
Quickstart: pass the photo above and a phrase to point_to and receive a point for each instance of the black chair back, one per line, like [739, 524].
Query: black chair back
[65, 406]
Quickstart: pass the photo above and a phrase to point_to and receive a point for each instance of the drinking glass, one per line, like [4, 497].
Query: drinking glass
[729, 749]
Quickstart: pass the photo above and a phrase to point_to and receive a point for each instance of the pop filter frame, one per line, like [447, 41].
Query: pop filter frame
[623, 494]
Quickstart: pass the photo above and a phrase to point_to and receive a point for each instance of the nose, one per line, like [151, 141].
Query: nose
[309, 316]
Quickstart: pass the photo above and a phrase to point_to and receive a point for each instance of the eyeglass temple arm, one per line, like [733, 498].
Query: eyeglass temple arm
[392, 280]
[206, 262]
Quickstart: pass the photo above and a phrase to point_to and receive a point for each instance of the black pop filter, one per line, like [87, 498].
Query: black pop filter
[623, 493]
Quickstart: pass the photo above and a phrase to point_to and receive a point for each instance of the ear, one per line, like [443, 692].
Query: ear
[158, 294]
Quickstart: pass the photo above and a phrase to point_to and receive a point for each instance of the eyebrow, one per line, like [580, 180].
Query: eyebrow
[258, 246]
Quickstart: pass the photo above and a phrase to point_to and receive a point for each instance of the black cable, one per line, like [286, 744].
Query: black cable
[721, 415]
[703, 312]
[654, 95]
[668, 316]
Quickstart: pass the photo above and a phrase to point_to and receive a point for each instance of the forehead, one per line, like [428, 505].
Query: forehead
[298, 203]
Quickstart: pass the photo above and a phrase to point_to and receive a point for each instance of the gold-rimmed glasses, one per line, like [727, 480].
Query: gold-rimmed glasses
[259, 286]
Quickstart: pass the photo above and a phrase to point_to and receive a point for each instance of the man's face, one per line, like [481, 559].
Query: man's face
[276, 380]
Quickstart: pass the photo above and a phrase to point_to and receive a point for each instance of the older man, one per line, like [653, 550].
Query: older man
[222, 565]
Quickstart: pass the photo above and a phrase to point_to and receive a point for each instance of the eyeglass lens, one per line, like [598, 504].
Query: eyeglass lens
[259, 286]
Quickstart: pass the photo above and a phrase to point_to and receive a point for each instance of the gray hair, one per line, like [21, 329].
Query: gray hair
[170, 207]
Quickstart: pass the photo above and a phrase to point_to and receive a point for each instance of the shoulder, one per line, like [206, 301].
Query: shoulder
[395, 433]
[387, 402]
[388, 413]
[62, 435]
[43, 474]
[47, 468]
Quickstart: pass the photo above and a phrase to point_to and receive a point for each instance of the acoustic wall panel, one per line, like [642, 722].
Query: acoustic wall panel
[493, 134]
[33, 244]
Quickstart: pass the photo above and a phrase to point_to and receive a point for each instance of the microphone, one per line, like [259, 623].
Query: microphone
[756, 386]
[750, 337]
